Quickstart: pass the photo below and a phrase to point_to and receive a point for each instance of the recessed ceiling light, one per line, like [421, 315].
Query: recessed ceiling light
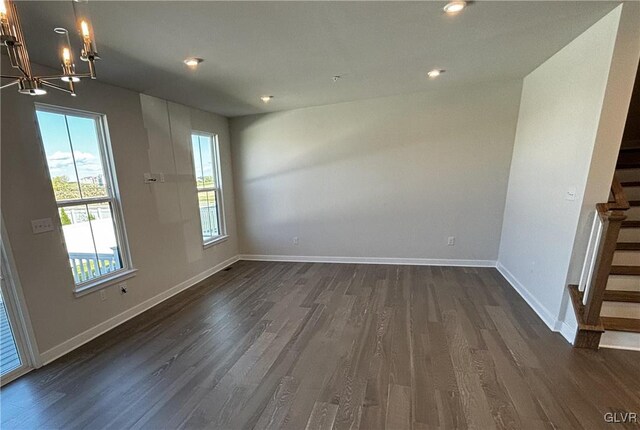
[435, 73]
[193, 62]
[455, 7]
[266, 99]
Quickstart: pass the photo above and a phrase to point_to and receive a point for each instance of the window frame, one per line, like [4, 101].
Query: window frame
[113, 196]
[218, 190]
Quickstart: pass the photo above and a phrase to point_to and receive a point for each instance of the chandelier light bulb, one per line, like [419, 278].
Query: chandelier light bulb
[66, 56]
[5, 30]
[84, 29]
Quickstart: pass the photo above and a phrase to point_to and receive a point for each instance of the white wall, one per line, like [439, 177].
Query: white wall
[161, 219]
[382, 178]
[558, 125]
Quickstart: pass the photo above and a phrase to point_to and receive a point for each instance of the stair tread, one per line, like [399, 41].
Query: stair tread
[622, 296]
[630, 184]
[634, 202]
[621, 324]
[631, 224]
[625, 270]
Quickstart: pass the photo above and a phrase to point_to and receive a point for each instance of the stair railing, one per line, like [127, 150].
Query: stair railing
[593, 247]
[589, 304]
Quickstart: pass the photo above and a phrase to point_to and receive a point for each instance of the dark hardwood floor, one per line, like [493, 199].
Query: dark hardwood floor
[319, 346]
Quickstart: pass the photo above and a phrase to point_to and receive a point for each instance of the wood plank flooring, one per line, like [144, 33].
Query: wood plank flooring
[322, 346]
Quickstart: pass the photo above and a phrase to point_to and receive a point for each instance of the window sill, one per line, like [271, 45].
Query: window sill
[215, 241]
[107, 281]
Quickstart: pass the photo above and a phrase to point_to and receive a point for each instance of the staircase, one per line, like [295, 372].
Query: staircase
[612, 304]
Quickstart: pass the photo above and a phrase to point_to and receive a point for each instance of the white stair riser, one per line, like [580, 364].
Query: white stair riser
[626, 258]
[624, 283]
[620, 310]
[629, 235]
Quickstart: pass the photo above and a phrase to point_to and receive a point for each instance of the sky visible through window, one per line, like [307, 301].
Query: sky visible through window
[84, 141]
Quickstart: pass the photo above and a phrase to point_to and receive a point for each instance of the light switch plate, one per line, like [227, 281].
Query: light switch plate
[42, 225]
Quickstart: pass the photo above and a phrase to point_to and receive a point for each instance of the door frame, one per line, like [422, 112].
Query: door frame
[17, 312]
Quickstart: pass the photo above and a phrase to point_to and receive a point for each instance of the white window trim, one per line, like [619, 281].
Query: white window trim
[106, 155]
[215, 152]
[216, 240]
[104, 282]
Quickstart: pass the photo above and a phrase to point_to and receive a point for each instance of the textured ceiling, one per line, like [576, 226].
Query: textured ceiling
[292, 49]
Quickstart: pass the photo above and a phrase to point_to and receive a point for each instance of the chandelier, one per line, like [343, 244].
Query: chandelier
[13, 40]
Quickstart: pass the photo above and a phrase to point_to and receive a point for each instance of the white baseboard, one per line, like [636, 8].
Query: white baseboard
[371, 260]
[88, 335]
[566, 330]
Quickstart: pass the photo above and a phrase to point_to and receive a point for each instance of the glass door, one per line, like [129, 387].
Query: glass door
[9, 356]
[16, 352]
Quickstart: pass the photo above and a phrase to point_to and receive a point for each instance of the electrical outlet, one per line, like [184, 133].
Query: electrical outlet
[42, 225]
[451, 241]
[103, 295]
[296, 240]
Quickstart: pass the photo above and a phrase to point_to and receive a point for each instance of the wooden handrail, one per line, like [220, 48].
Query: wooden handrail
[620, 202]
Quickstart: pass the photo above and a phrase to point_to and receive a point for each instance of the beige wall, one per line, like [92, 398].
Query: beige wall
[382, 178]
[568, 135]
[161, 219]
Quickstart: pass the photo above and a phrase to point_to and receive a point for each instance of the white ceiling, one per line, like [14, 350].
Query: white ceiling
[292, 49]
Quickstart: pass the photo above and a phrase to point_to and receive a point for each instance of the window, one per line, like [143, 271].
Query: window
[206, 164]
[78, 159]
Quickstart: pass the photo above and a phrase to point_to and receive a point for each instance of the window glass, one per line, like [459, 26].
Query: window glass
[206, 167]
[57, 147]
[74, 147]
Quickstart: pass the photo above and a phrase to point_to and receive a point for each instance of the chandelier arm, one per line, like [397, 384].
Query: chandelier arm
[19, 67]
[23, 54]
[57, 87]
[9, 85]
[54, 77]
